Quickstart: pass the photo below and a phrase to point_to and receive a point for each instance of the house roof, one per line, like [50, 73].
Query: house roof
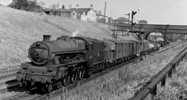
[81, 10]
[61, 10]
[65, 10]
[122, 20]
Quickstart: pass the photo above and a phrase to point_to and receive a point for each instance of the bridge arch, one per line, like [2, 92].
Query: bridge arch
[167, 30]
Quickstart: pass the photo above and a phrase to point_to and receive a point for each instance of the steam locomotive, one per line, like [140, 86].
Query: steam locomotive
[158, 38]
[57, 63]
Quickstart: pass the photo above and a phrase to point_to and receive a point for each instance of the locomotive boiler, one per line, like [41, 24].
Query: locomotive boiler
[57, 51]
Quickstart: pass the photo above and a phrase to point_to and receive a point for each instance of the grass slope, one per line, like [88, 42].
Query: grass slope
[18, 29]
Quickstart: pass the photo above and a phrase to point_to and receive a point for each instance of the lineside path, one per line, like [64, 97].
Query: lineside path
[176, 87]
[160, 77]
[120, 83]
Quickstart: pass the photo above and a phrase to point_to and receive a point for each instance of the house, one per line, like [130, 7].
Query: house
[58, 12]
[65, 13]
[122, 20]
[104, 19]
[142, 22]
[84, 14]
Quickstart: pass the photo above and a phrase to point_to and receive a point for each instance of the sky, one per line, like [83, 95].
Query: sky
[154, 11]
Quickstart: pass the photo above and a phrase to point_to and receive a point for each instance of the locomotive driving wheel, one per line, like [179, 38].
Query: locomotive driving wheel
[73, 77]
[43, 88]
[76, 77]
[22, 83]
[49, 88]
[66, 80]
[81, 75]
[26, 85]
[59, 85]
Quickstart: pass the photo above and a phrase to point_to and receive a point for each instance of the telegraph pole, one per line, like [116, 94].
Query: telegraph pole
[105, 7]
[133, 13]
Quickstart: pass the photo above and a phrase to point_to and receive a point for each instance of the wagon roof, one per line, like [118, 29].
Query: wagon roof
[119, 40]
[89, 40]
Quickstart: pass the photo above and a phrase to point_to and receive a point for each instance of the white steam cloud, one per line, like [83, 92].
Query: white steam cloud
[75, 33]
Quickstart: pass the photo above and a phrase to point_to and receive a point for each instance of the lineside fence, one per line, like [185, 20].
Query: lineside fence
[151, 86]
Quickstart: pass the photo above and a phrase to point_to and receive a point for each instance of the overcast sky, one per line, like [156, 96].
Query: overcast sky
[155, 11]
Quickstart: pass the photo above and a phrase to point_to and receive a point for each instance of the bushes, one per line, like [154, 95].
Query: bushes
[26, 5]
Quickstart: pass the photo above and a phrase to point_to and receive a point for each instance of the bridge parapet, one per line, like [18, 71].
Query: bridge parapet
[166, 29]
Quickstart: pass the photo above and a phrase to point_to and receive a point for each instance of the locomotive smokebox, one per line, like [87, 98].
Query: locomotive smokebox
[46, 37]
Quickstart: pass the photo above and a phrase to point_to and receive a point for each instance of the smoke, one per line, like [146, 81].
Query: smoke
[75, 33]
[151, 45]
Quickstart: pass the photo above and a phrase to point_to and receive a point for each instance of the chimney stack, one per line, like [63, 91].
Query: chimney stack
[46, 37]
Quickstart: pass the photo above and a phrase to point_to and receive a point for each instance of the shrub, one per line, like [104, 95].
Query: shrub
[26, 5]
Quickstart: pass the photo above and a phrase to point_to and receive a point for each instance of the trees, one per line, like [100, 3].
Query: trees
[27, 5]
[142, 22]
[19, 4]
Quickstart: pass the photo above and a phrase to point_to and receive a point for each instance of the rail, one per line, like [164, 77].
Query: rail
[151, 86]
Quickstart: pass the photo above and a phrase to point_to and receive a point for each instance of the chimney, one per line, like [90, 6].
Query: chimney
[63, 6]
[91, 5]
[46, 37]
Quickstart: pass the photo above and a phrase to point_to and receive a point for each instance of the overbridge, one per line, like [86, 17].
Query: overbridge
[146, 29]
[168, 29]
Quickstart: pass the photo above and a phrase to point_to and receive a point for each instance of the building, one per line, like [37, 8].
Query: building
[58, 12]
[84, 14]
[142, 22]
[122, 20]
[104, 19]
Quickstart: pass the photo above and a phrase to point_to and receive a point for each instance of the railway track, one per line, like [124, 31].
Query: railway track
[26, 96]
[8, 71]
[21, 96]
[7, 74]
[8, 85]
[173, 45]
[151, 86]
